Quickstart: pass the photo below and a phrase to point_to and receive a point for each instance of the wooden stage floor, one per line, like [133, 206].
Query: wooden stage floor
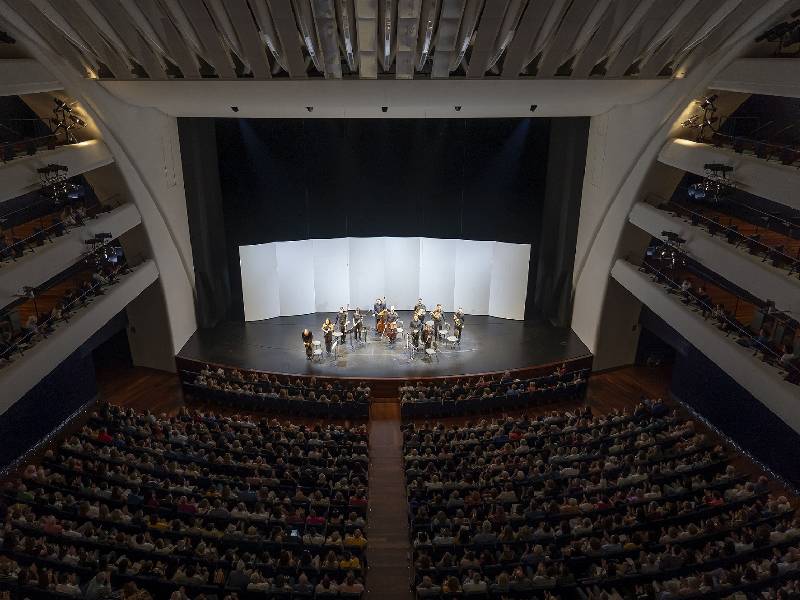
[488, 344]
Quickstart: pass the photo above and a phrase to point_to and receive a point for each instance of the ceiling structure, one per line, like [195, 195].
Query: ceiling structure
[384, 39]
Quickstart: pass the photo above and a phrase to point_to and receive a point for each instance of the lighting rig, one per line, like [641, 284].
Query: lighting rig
[715, 185]
[64, 121]
[703, 121]
[54, 183]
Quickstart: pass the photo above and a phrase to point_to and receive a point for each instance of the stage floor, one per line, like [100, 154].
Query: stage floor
[488, 344]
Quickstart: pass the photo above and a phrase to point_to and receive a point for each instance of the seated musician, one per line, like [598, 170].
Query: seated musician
[308, 339]
[416, 329]
[458, 322]
[391, 324]
[327, 331]
[428, 339]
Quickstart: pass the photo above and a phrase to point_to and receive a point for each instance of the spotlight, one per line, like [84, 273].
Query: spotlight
[77, 120]
[384, 109]
[533, 107]
[458, 108]
[310, 108]
[235, 108]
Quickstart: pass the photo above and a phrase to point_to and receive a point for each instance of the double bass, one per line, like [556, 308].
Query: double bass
[380, 326]
[391, 331]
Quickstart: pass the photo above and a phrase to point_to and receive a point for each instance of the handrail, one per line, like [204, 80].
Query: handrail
[734, 233]
[41, 328]
[742, 331]
[777, 148]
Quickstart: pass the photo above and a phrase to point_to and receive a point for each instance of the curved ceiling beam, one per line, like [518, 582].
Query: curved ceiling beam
[714, 20]
[217, 54]
[555, 13]
[472, 12]
[308, 32]
[166, 30]
[185, 28]
[407, 30]
[507, 30]
[286, 25]
[387, 28]
[223, 15]
[427, 29]
[346, 16]
[601, 9]
[106, 30]
[148, 32]
[367, 19]
[252, 47]
[268, 32]
[638, 38]
[325, 20]
[520, 46]
[446, 37]
[557, 51]
[599, 45]
[491, 19]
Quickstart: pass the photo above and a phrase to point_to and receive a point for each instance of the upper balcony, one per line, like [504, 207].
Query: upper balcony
[772, 180]
[20, 175]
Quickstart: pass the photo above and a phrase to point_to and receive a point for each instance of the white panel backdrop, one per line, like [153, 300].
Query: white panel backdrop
[331, 274]
[473, 274]
[509, 284]
[293, 278]
[366, 271]
[259, 276]
[437, 272]
[401, 264]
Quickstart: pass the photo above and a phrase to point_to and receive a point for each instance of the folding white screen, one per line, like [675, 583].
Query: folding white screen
[293, 278]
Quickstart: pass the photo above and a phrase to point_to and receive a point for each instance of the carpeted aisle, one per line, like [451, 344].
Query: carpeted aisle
[387, 529]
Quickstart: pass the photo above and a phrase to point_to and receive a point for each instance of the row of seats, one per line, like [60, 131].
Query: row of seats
[207, 504]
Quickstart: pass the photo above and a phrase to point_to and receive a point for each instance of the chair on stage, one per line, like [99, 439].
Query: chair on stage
[430, 353]
[316, 355]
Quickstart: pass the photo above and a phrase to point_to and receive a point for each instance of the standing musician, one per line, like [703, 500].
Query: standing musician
[341, 321]
[416, 328]
[419, 306]
[458, 322]
[308, 339]
[327, 330]
[438, 318]
[358, 321]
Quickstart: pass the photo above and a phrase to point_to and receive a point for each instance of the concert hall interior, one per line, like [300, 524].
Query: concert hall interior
[431, 299]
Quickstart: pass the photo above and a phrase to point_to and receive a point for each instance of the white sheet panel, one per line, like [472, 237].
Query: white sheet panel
[437, 271]
[366, 271]
[401, 262]
[259, 282]
[296, 277]
[509, 280]
[331, 274]
[473, 276]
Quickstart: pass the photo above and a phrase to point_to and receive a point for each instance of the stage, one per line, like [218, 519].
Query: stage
[488, 345]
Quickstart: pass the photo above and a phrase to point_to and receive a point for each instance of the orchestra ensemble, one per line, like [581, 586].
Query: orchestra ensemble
[424, 329]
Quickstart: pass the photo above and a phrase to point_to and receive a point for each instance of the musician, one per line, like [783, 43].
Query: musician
[416, 328]
[458, 322]
[419, 306]
[391, 324]
[341, 321]
[358, 322]
[428, 339]
[438, 318]
[378, 308]
[308, 342]
[327, 331]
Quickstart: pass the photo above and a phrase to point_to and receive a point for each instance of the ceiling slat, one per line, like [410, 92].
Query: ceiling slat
[142, 52]
[197, 13]
[252, 46]
[367, 27]
[407, 31]
[447, 37]
[73, 13]
[172, 38]
[528, 28]
[556, 51]
[682, 34]
[597, 47]
[491, 20]
[283, 18]
[325, 20]
[639, 38]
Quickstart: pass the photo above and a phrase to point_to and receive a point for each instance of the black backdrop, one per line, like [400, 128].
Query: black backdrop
[291, 179]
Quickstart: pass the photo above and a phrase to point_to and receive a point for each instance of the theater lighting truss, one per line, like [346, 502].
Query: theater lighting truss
[65, 121]
[54, 183]
[705, 120]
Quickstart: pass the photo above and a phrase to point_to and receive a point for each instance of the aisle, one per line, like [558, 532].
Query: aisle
[387, 529]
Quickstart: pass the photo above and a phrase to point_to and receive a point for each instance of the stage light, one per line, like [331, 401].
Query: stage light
[310, 108]
[77, 120]
[458, 108]
[235, 108]
[533, 107]
[384, 109]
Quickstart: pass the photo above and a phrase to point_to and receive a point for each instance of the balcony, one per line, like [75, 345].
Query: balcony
[26, 370]
[25, 76]
[19, 176]
[732, 261]
[759, 378]
[767, 76]
[771, 180]
[36, 267]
